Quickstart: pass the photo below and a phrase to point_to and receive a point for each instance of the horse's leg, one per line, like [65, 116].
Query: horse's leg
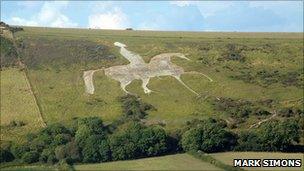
[195, 72]
[88, 81]
[145, 82]
[123, 84]
[179, 79]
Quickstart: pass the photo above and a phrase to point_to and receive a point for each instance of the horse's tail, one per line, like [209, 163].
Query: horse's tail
[88, 80]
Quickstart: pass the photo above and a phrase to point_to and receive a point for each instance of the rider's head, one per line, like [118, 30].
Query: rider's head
[120, 44]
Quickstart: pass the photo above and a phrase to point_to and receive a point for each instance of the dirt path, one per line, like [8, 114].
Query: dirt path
[256, 125]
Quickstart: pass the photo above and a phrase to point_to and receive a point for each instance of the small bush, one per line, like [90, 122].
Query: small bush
[134, 108]
[208, 136]
[6, 156]
[30, 157]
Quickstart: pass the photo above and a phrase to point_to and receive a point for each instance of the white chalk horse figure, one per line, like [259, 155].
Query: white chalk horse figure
[159, 65]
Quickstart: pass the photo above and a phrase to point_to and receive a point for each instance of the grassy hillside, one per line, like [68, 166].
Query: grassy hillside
[170, 162]
[19, 112]
[246, 66]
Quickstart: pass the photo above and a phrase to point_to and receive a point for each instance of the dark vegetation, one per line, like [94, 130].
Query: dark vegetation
[89, 140]
[62, 53]
[271, 136]
[13, 124]
[207, 158]
[12, 29]
[233, 52]
[234, 57]
[266, 77]
[240, 110]
[8, 52]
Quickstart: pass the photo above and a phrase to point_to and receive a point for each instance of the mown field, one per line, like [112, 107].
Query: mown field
[228, 157]
[170, 162]
[56, 59]
[173, 162]
[19, 112]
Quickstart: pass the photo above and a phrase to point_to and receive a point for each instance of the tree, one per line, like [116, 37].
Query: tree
[93, 123]
[90, 151]
[55, 129]
[192, 139]
[60, 139]
[208, 137]
[81, 135]
[248, 141]
[73, 152]
[48, 156]
[87, 127]
[30, 157]
[104, 151]
[40, 142]
[278, 136]
[6, 156]
[60, 152]
[19, 150]
[153, 141]
[125, 143]
[271, 136]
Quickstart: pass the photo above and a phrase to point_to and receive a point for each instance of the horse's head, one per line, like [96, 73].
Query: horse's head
[121, 45]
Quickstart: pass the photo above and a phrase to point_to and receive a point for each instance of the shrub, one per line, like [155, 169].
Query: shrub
[93, 146]
[248, 141]
[55, 129]
[124, 144]
[153, 141]
[233, 52]
[271, 136]
[278, 136]
[290, 111]
[19, 150]
[13, 124]
[134, 108]
[93, 123]
[40, 142]
[208, 137]
[61, 139]
[87, 127]
[48, 156]
[104, 151]
[30, 157]
[73, 152]
[6, 156]
[60, 152]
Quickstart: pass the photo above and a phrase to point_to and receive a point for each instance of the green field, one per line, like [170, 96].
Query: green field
[249, 70]
[170, 162]
[174, 162]
[228, 157]
[17, 104]
[56, 59]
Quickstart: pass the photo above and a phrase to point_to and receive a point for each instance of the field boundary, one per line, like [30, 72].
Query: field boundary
[207, 158]
[24, 70]
[35, 97]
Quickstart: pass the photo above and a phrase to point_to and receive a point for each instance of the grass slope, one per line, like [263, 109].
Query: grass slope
[17, 104]
[170, 162]
[56, 59]
[227, 158]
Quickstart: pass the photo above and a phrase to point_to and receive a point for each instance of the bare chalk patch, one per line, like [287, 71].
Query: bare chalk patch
[159, 65]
